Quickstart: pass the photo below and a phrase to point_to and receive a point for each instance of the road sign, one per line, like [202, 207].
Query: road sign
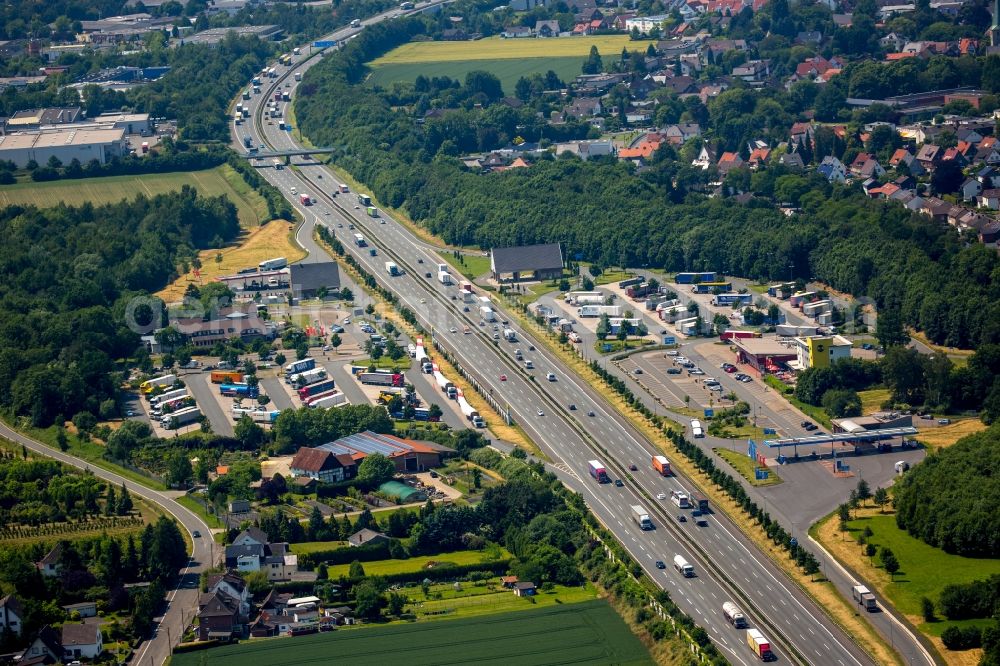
[669, 340]
[751, 449]
[324, 43]
[770, 431]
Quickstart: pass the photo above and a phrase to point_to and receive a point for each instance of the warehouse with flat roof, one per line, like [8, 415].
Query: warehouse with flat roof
[65, 145]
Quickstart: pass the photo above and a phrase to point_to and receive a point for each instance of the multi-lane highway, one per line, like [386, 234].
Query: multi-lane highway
[729, 567]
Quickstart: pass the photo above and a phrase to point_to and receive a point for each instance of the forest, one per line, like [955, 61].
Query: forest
[951, 500]
[71, 275]
[605, 213]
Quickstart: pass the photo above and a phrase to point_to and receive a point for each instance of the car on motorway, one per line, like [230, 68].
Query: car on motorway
[572, 407]
[637, 371]
[633, 468]
[682, 518]
[427, 274]
[356, 207]
[465, 309]
[423, 300]
[294, 190]
[590, 413]
[541, 413]
[453, 329]
[661, 496]
[618, 483]
[660, 564]
[336, 329]
[503, 378]
[196, 534]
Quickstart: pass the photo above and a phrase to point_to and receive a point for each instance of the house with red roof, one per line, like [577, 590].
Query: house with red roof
[729, 161]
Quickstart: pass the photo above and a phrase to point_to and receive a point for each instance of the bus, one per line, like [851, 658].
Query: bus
[278, 164]
[364, 200]
[359, 240]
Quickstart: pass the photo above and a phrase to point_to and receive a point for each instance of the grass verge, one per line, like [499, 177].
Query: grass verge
[924, 570]
[387, 567]
[872, 399]
[196, 507]
[745, 468]
[496, 48]
[471, 266]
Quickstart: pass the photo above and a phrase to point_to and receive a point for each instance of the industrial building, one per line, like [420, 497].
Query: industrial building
[872, 422]
[763, 354]
[32, 119]
[407, 455]
[308, 278]
[65, 145]
[820, 351]
[527, 262]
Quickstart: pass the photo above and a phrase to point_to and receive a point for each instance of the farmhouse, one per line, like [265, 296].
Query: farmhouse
[251, 551]
[11, 615]
[513, 264]
[322, 465]
[366, 537]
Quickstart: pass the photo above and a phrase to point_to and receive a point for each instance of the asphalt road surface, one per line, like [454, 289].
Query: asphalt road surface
[728, 566]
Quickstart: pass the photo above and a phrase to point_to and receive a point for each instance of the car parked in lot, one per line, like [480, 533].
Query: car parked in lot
[672, 352]
[673, 371]
[809, 426]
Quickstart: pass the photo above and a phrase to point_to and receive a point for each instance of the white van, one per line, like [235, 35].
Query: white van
[551, 376]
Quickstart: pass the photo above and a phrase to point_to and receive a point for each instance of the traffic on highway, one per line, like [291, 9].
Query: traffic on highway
[567, 418]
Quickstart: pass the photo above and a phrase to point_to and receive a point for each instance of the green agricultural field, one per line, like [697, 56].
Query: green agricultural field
[111, 189]
[584, 633]
[508, 59]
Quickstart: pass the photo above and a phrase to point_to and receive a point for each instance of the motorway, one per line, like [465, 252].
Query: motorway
[729, 566]
[182, 602]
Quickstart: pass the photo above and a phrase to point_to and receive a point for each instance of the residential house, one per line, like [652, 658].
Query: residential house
[11, 615]
[366, 537]
[969, 135]
[989, 199]
[886, 191]
[81, 641]
[800, 134]
[681, 85]
[812, 37]
[705, 159]
[677, 134]
[516, 31]
[758, 157]
[865, 166]
[508, 582]
[711, 92]
[219, 617]
[971, 189]
[989, 233]
[546, 28]
[832, 169]
[892, 42]
[251, 551]
[954, 155]
[45, 648]
[753, 71]
[639, 154]
[50, 564]
[326, 466]
[929, 155]
[234, 586]
[584, 107]
[792, 161]
[586, 149]
[524, 589]
[729, 161]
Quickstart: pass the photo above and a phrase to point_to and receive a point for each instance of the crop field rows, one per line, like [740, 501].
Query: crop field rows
[585, 633]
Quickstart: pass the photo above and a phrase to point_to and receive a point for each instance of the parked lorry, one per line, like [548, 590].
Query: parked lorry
[335, 399]
[172, 405]
[641, 517]
[760, 645]
[598, 471]
[738, 335]
[226, 377]
[631, 282]
[239, 390]
[306, 378]
[467, 410]
[734, 615]
[314, 389]
[180, 418]
[316, 396]
[683, 567]
[299, 366]
[864, 597]
[598, 310]
[169, 395]
[661, 465]
[382, 378]
[151, 385]
[391, 268]
[256, 415]
[272, 264]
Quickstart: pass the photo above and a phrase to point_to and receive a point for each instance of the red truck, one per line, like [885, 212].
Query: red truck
[305, 199]
[597, 471]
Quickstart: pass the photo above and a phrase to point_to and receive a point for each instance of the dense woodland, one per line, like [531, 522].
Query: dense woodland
[905, 262]
[72, 273]
[952, 501]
